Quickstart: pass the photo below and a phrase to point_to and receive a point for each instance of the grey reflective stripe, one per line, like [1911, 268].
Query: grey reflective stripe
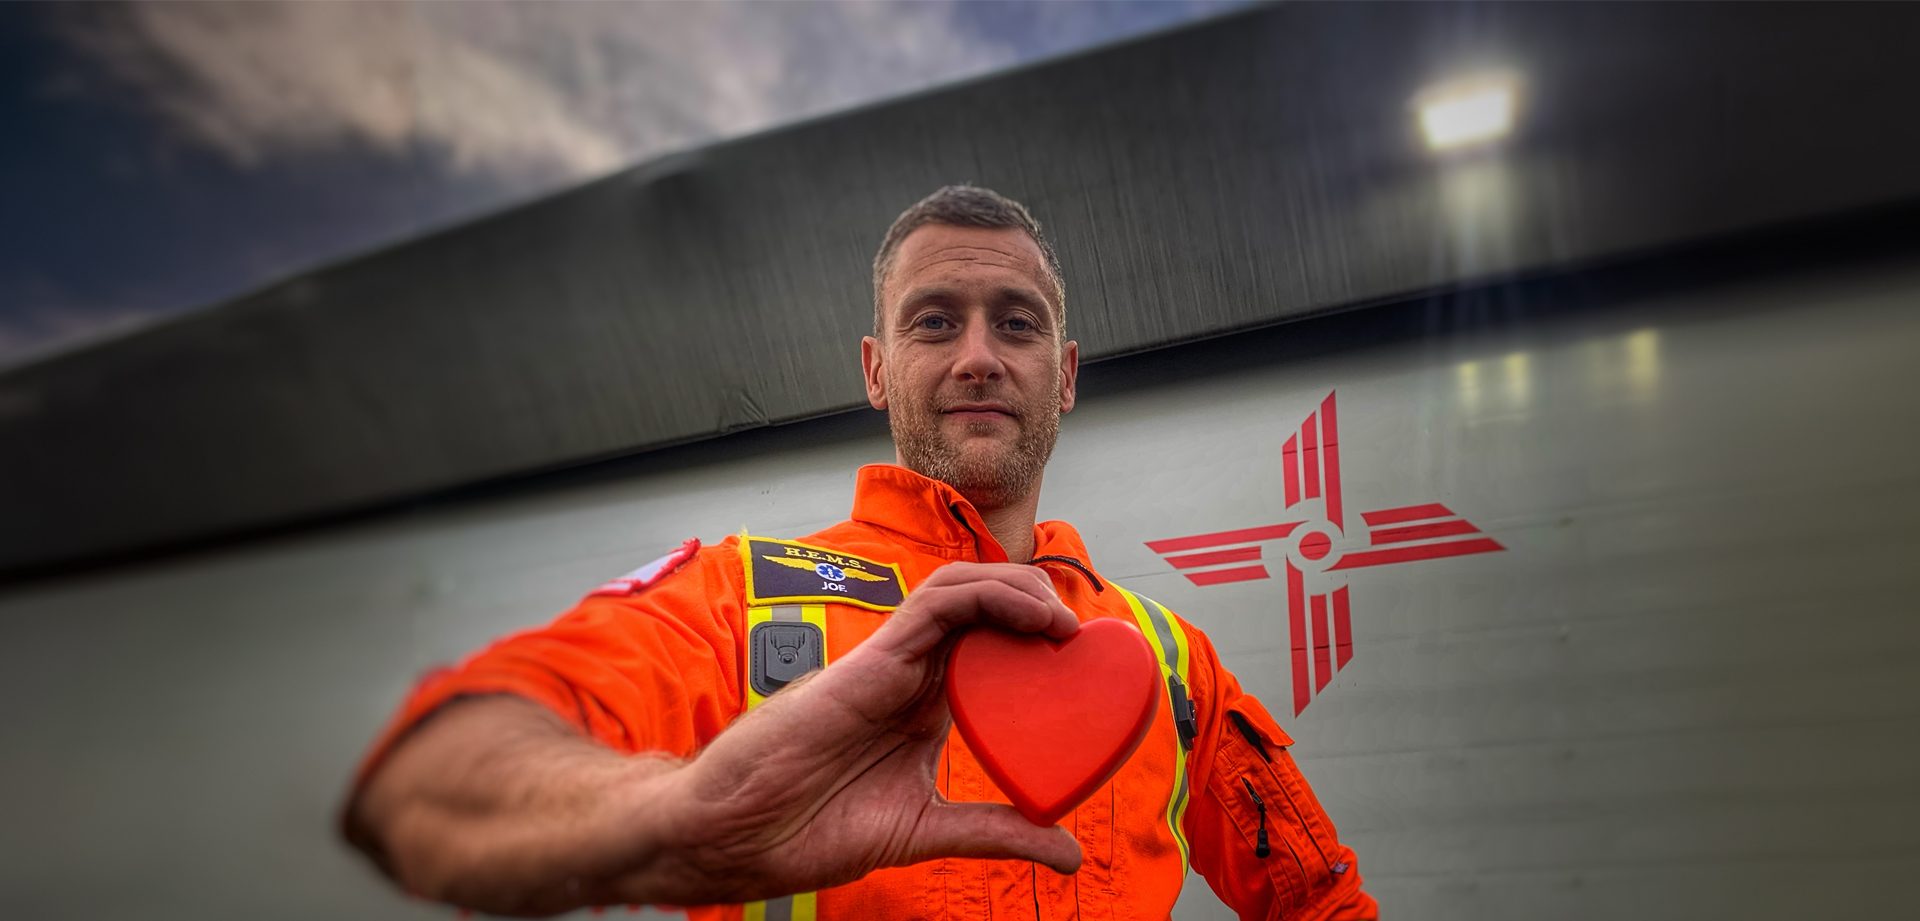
[1169, 646]
[787, 612]
[780, 909]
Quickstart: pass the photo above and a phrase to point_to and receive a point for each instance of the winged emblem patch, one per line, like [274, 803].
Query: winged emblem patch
[789, 572]
[826, 571]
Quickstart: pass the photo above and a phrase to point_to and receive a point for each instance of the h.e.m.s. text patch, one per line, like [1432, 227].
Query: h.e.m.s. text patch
[787, 572]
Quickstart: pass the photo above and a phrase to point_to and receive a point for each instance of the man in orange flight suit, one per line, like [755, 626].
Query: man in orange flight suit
[636, 751]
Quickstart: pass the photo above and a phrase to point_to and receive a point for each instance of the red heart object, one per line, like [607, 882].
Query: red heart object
[1050, 720]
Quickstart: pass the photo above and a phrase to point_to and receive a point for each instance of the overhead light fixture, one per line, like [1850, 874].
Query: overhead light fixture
[1464, 112]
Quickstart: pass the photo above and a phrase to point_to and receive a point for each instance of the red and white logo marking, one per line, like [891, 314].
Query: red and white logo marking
[1315, 557]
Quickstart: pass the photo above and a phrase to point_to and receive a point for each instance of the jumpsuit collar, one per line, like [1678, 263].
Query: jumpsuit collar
[930, 512]
[924, 510]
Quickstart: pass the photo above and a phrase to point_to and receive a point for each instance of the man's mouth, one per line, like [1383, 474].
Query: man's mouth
[985, 410]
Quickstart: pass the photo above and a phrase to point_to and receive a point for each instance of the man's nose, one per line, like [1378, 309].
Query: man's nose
[979, 359]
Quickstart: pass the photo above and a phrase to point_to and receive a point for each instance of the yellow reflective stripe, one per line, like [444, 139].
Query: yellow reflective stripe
[755, 617]
[797, 907]
[1169, 642]
[801, 905]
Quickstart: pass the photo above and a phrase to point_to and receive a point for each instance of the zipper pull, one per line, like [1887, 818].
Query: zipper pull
[1260, 848]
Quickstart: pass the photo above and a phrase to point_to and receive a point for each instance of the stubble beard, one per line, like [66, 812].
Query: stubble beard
[989, 479]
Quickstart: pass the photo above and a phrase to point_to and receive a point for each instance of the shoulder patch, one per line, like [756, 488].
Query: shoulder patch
[789, 572]
[641, 579]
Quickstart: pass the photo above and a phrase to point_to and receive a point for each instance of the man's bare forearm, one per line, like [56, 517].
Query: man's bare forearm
[495, 804]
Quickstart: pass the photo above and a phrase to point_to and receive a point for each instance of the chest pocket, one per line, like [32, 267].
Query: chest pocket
[791, 588]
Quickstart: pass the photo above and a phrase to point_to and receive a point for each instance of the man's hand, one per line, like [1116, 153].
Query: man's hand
[830, 779]
[833, 777]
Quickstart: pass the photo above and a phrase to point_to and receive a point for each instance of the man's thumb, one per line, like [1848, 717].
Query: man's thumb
[991, 831]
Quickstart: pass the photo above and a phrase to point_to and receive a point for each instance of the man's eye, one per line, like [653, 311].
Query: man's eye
[1019, 324]
[935, 323]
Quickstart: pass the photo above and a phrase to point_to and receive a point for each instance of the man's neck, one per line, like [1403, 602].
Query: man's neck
[1012, 526]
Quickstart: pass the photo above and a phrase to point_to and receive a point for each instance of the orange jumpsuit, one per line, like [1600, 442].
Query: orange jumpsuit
[664, 668]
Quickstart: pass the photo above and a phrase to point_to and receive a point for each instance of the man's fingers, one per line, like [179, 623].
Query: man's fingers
[1000, 603]
[1029, 580]
[991, 831]
[960, 595]
[941, 610]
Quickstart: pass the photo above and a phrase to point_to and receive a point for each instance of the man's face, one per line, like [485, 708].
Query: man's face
[972, 369]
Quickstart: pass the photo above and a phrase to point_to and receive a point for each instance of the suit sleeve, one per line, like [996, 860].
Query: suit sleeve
[655, 671]
[1245, 781]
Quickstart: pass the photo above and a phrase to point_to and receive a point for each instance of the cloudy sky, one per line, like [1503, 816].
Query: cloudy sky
[165, 156]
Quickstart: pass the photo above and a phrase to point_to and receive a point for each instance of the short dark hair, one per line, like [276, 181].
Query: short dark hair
[965, 206]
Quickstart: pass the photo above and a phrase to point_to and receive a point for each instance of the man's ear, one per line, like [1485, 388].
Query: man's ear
[1069, 374]
[872, 356]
